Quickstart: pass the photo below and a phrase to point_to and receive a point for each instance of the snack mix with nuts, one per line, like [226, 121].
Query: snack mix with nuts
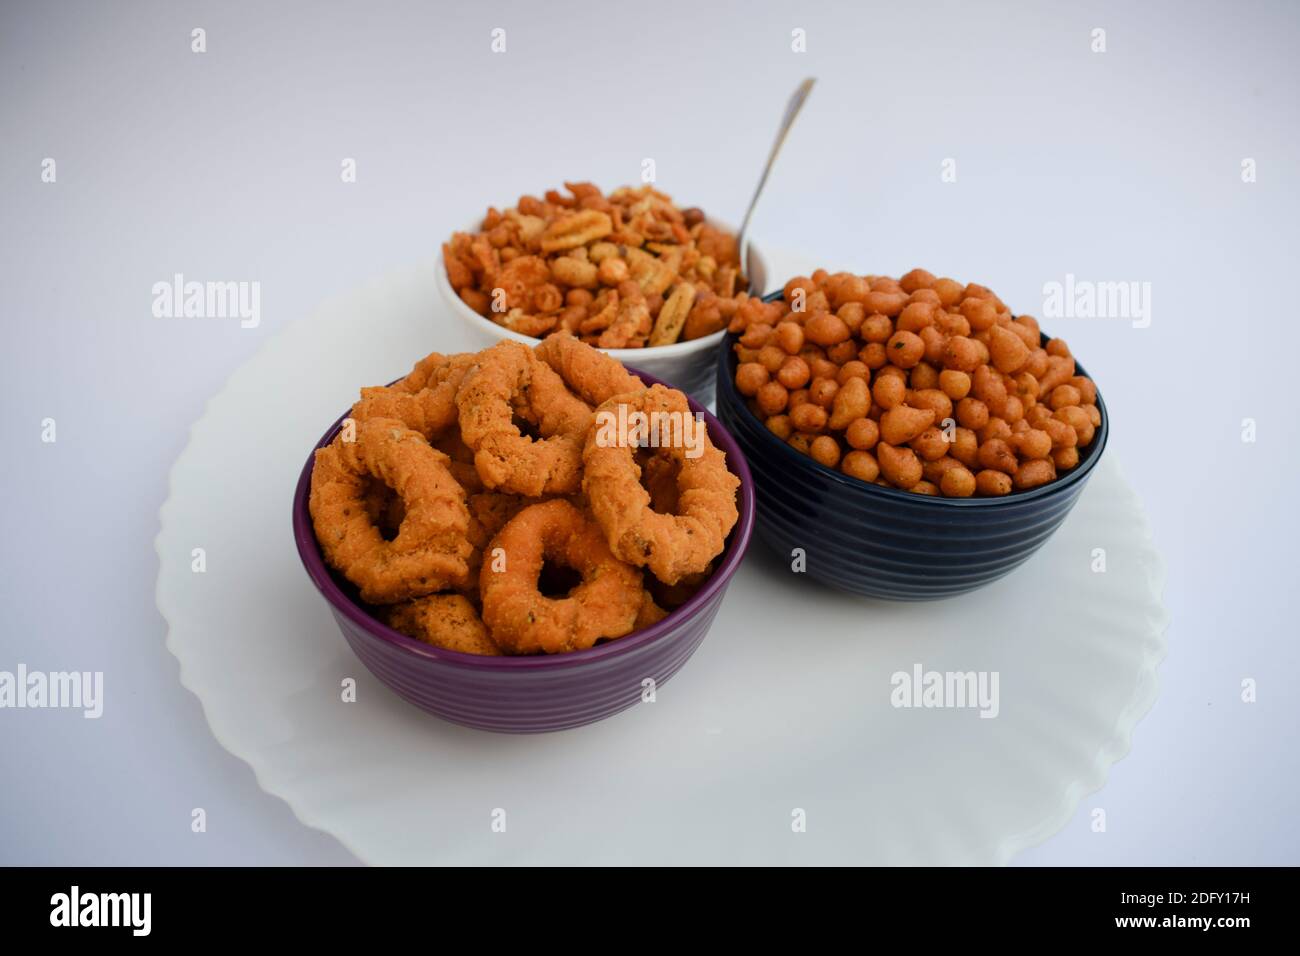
[627, 270]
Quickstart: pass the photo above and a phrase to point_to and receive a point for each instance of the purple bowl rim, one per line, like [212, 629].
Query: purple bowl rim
[1076, 476]
[320, 575]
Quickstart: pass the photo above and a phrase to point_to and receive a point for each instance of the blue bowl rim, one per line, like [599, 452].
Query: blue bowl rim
[321, 576]
[1076, 475]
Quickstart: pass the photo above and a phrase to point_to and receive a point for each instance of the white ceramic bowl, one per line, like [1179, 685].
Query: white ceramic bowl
[690, 366]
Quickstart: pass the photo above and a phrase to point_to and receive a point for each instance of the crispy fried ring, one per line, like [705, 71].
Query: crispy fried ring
[592, 374]
[659, 477]
[443, 620]
[606, 604]
[650, 612]
[431, 550]
[419, 375]
[384, 506]
[466, 476]
[462, 460]
[674, 545]
[425, 400]
[489, 512]
[508, 380]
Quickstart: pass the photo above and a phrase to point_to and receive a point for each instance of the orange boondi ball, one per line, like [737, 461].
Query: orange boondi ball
[921, 383]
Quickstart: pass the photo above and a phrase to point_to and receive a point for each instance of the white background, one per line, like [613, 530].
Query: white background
[1123, 165]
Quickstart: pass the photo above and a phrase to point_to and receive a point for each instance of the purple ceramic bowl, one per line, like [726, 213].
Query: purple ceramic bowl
[525, 695]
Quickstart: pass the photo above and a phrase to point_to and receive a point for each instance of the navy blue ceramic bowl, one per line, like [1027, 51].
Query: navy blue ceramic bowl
[882, 542]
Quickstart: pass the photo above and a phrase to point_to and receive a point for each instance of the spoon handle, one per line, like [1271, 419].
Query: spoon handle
[791, 111]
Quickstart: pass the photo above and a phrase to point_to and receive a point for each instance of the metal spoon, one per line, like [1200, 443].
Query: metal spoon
[791, 111]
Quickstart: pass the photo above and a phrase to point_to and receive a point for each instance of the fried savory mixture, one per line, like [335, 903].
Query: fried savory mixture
[627, 270]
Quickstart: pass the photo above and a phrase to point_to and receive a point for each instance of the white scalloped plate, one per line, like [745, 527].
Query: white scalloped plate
[785, 707]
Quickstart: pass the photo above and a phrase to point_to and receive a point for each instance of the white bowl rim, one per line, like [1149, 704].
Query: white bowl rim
[626, 356]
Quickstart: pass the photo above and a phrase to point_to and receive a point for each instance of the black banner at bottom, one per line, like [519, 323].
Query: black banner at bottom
[371, 904]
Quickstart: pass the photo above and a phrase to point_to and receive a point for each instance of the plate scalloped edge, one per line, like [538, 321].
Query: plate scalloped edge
[275, 342]
[1120, 742]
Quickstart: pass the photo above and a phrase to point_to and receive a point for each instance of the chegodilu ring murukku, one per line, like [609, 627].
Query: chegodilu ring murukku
[430, 551]
[673, 545]
[606, 603]
[592, 374]
[443, 620]
[424, 401]
[509, 382]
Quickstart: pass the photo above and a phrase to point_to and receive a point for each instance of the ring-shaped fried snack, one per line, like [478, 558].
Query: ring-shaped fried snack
[592, 374]
[488, 513]
[606, 604]
[433, 369]
[508, 381]
[384, 507]
[659, 478]
[424, 401]
[430, 551]
[443, 620]
[673, 545]
[462, 460]
[650, 612]
[418, 377]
